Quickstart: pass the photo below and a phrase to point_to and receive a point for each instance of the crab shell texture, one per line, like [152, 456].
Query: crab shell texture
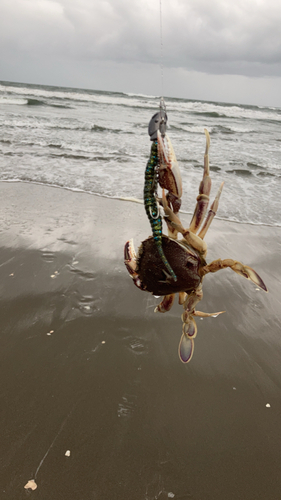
[185, 261]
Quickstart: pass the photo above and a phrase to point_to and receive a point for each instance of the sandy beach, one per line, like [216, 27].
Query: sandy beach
[87, 367]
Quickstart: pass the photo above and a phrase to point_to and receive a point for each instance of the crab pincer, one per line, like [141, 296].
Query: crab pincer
[169, 176]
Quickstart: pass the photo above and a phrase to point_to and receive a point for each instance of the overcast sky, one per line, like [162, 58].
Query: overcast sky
[221, 50]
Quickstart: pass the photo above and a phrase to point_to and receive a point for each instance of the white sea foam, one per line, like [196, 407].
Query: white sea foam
[10, 100]
[142, 95]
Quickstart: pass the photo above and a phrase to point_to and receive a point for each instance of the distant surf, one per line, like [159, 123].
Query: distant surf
[97, 142]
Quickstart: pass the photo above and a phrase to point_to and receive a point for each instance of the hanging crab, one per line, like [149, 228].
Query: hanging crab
[186, 256]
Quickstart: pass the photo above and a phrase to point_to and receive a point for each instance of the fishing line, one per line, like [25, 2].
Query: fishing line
[162, 105]
[161, 50]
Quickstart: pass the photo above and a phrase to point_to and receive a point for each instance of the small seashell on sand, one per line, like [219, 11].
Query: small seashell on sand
[268, 405]
[67, 453]
[31, 485]
[103, 341]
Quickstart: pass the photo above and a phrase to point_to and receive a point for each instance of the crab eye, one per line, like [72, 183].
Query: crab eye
[189, 264]
[191, 261]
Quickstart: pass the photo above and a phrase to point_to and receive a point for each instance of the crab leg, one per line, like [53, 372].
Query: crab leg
[211, 214]
[182, 297]
[207, 315]
[166, 303]
[173, 221]
[238, 268]
[189, 327]
[186, 345]
[171, 218]
[204, 191]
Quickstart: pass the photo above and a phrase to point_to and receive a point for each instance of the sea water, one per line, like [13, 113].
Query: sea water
[97, 142]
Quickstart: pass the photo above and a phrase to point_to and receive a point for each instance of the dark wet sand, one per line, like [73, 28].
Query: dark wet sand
[107, 384]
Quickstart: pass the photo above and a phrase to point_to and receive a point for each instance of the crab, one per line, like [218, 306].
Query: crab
[187, 256]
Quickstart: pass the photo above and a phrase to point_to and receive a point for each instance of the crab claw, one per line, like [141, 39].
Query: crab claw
[186, 345]
[249, 274]
[130, 261]
[239, 268]
[169, 172]
[186, 348]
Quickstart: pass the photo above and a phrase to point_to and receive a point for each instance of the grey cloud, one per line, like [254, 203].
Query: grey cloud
[218, 36]
[241, 37]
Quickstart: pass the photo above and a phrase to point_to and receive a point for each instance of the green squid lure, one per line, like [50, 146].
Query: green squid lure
[151, 205]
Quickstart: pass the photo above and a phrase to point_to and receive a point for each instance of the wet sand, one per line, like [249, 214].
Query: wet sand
[86, 365]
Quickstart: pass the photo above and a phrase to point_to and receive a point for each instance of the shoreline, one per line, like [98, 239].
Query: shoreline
[132, 200]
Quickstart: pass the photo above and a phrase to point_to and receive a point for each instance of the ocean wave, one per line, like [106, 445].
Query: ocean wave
[251, 164]
[210, 114]
[248, 173]
[192, 129]
[267, 174]
[99, 128]
[38, 102]
[223, 130]
[130, 94]
[239, 171]
[274, 121]
[13, 100]
[66, 94]
[66, 97]
[86, 95]
[30, 102]
[57, 125]
[224, 110]
[69, 156]
[35, 102]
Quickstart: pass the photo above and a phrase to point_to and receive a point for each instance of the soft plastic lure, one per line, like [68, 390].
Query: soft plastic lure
[152, 207]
